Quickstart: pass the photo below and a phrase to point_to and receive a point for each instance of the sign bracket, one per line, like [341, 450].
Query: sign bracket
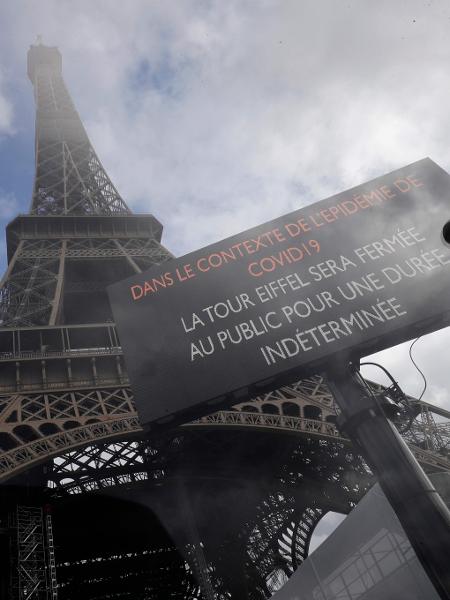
[419, 508]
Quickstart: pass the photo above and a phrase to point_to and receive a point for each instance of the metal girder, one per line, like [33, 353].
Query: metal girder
[265, 528]
[69, 176]
[20, 459]
[83, 248]
[33, 288]
[127, 227]
[299, 425]
[277, 539]
[113, 411]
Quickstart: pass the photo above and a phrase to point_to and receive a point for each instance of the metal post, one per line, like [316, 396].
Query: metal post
[419, 508]
[51, 572]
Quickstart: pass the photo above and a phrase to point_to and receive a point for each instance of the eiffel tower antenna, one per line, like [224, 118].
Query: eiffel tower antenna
[76, 216]
[69, 176]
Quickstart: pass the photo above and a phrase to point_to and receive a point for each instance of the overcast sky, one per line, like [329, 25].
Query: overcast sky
[216, 116]
[219, 115]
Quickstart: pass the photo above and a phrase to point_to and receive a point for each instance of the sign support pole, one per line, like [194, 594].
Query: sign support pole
[419, 508]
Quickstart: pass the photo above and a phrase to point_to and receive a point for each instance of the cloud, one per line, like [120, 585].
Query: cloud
[8, 205]
[217, 116]
[214, 115]
[6, 110]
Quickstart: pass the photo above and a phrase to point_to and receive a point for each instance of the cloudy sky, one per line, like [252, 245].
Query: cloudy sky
[216, 116]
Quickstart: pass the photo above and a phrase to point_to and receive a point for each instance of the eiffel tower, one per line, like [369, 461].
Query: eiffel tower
[223, 507]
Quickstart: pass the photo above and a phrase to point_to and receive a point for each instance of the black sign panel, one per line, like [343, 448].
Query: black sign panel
[357, 272]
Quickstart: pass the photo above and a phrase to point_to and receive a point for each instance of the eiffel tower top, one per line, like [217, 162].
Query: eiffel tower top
[79, 235]
[70, 179]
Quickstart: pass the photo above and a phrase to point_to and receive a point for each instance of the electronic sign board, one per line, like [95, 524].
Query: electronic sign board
[347, 276]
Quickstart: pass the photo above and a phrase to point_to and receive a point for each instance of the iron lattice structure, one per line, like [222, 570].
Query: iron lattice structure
[270, 467]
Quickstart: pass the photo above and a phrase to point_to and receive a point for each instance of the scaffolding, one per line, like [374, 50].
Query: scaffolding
[33, 576]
